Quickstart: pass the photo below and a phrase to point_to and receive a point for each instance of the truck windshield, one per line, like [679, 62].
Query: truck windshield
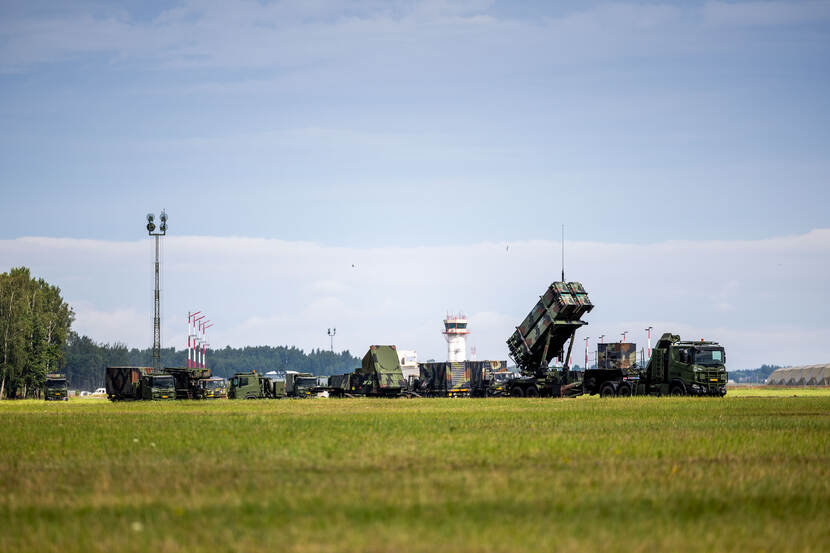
[212, 384]
[163, 381]
[55, 384]
[709, 356]
[308, 381]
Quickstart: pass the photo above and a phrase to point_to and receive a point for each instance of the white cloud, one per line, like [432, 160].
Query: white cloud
[763, 299]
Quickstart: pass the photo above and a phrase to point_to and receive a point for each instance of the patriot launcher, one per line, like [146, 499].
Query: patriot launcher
[541, 337]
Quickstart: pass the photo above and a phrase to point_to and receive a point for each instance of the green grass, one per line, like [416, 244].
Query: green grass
[642, 474]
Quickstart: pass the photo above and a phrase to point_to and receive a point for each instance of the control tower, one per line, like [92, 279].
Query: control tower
[455, 331]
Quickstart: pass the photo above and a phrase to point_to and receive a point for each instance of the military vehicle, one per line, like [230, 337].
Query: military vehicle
[213, 388]
[137, 383]
[299, 385]
[541, 337]
[55, 388]
[255, 386]
[681, 368]
[458, 379]
[188, 381]
[676, 368]
[380, 373]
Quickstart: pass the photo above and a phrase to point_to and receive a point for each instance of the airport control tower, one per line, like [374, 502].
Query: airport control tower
[455, 331]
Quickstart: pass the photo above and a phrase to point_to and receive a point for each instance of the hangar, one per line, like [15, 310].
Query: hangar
[807, 375]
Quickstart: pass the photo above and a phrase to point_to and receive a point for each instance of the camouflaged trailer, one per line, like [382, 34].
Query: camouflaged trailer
[138, 383]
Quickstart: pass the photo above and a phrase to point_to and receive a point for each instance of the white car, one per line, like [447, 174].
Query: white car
[100, 392]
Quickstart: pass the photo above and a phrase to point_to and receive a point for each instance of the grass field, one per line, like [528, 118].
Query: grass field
[642, 474]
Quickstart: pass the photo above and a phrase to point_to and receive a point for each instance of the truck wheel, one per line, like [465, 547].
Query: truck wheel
[607, 390]
[624, 391]
[531, 392]
[517, 391]
[677, 390]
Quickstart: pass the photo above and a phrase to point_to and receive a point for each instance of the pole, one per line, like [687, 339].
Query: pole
[188, 339]
[649, 341]
[586, 352]
[156, 317]
[623, 335]
[331, 333]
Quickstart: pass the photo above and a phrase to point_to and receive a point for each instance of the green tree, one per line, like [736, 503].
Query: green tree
[34, 323]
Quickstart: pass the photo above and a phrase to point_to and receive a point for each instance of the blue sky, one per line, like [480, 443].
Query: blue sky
[396, 126]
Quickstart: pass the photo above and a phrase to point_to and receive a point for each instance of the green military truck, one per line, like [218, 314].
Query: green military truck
[540, 338]
[301, 385]
[55, 388]
[138, 383]
[251, 385]
[680, 368]
[214, 387]
[676, 368]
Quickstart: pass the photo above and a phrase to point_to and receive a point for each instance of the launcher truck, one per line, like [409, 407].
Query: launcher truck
[137, 383]
[540, 338]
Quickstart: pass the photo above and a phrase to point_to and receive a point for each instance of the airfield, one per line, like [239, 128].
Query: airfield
[749, 472]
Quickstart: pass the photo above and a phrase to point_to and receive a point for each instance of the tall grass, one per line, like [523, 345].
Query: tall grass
[417, 475]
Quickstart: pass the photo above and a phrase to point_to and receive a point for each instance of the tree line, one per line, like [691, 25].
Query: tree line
[34, 323]
[86, 360]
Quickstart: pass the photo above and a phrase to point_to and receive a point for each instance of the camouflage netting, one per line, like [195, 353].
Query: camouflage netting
[807, 375]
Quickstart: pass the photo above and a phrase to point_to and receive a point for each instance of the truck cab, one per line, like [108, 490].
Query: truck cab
[55, 388]
[300, 384]
[681, 368]
[157, 387]
[213, 388]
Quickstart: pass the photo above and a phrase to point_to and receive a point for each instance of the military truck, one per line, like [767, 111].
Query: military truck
[682, 368]
[300, 385]
[188, 381]
[213, 388]
[255, 386]
[675, 368]
[138, 383]
[541, 337]
[55, 388]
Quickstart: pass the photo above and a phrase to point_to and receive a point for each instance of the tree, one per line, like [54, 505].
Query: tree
[34, 322]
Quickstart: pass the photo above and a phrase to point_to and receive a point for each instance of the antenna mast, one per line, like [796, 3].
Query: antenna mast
[563, 252]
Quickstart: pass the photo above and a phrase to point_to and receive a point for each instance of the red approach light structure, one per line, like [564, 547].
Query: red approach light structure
[193, 339]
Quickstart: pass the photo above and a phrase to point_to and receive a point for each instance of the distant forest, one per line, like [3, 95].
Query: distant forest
[752, 376]
[86, 360]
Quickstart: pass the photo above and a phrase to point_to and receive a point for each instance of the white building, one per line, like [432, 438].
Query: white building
[409, 363]
[455, 331]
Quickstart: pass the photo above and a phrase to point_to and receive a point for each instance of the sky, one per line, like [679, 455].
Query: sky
[436, 146]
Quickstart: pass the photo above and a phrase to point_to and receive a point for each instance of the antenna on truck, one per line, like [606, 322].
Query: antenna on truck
[563, 252]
